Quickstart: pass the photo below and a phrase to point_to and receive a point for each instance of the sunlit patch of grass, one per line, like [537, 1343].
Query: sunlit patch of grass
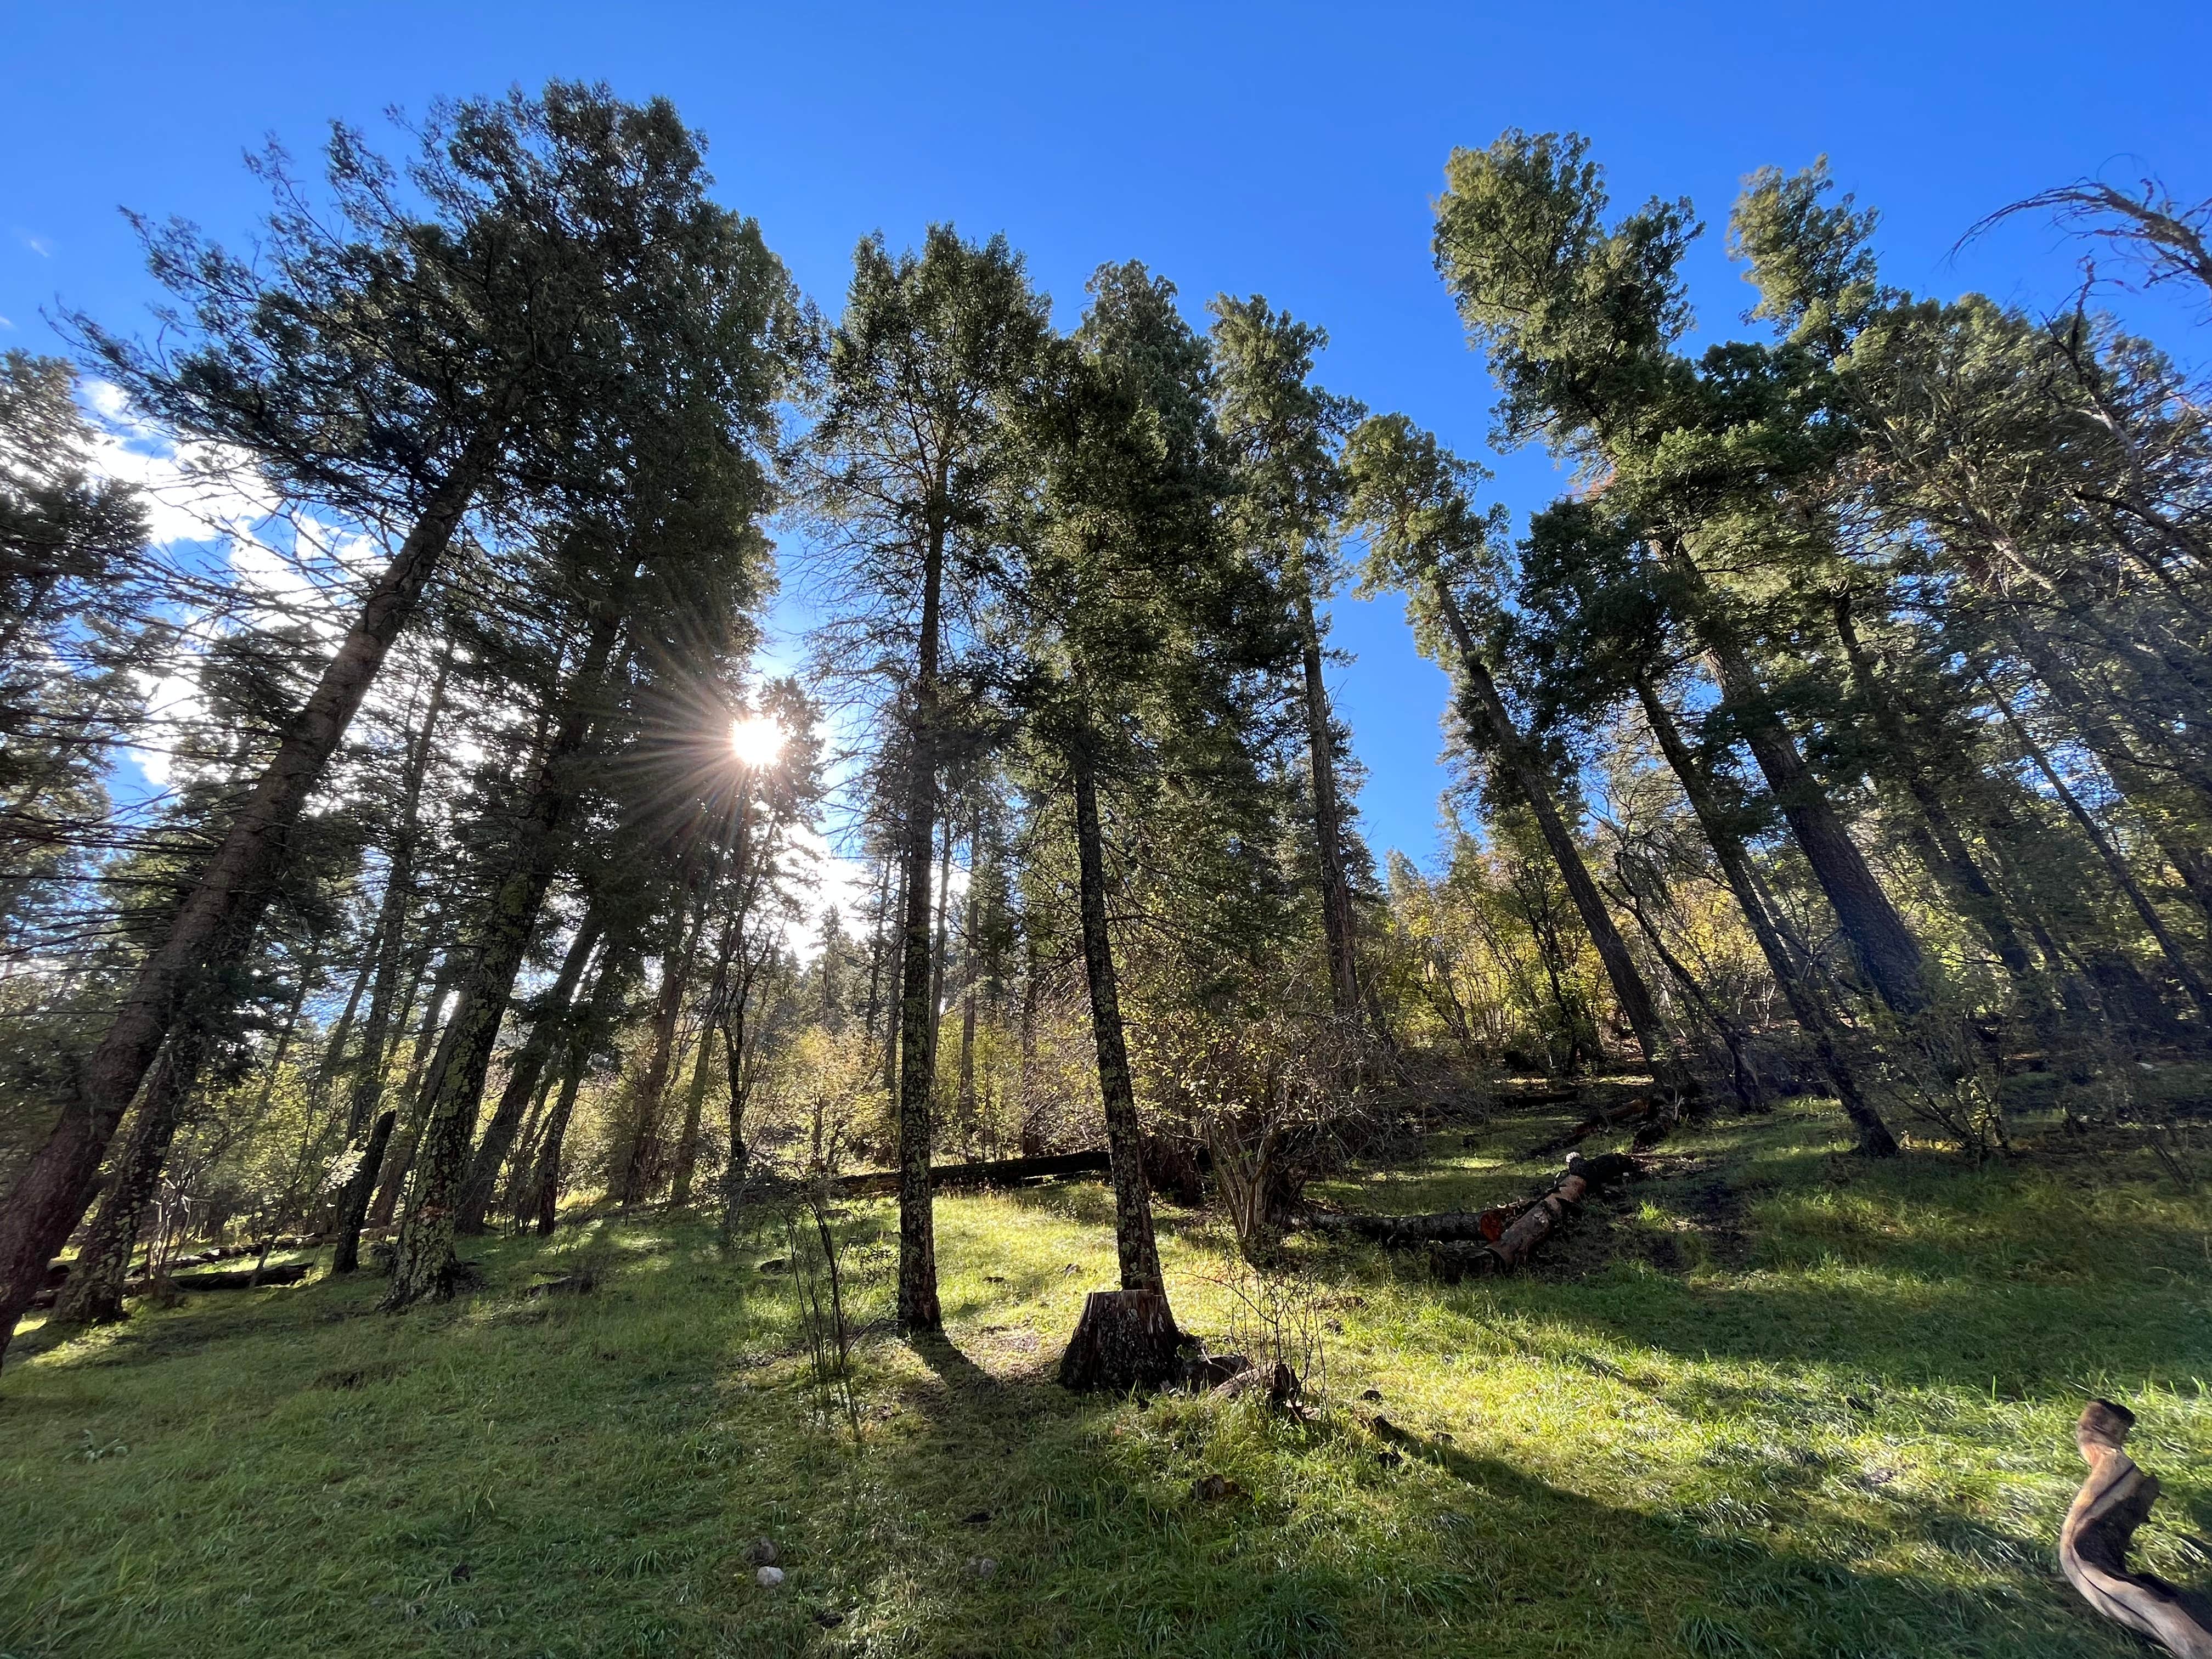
[1772, 1401]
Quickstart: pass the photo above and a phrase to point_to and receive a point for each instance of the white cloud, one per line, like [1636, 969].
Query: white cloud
[5, 323]
[37, 244]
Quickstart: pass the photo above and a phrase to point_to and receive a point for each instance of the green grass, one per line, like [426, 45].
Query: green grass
[1770, 1401]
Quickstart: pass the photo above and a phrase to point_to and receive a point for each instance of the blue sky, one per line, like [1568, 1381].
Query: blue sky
[1285, 150]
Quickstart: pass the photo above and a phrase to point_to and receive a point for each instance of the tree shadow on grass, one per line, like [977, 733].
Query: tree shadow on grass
[1321, 1540]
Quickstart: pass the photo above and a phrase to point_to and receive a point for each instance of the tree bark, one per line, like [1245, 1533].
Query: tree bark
[92, 1294]
[214, 927]
[400, 1159]
[522, 1081]
[2184, 969]
[543, 1198]
[1880, 942]
[1805, 1005]
[353, 1206]
[376, 1040]
[1489, 709]
[919, 1311]
[1952, 863]
[641, 1166]
[1125, 1340]
[687, 1146]
[1328, 816]
[425, 1262]
[1133, 1242]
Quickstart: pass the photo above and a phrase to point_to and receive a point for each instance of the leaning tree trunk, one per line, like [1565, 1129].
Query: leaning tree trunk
[1805, 1005]
[1125, 1141]
[2092, 1544]
[2176, 958]
[92, 1294]
[542, 1199]
[639, 1166]
[1946, 852]
[1125, 1340]
[353, 1206]
[1883, 946]
[1328, 816]
[377, 1040]
[918, 1307]
[522, 1081]
[212, 930]
[399, 1160]
[425, 1262]
[695, 1102]
[1490, 713]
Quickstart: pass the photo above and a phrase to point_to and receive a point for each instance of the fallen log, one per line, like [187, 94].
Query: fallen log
[242, 1278]
[1125, 1340]
[1400, 1231]
[58, 1272]
[1461, 1243]
[2093, 1546]
[1008, 1172]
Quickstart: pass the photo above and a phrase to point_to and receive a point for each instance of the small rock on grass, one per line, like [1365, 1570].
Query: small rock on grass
[769, 1577]
[981, 1567]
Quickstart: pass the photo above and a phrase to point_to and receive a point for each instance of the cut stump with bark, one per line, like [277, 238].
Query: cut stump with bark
[1125, 1340]
[2092, 1544]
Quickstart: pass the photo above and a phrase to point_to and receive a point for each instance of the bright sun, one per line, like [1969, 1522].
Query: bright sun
[756, 739]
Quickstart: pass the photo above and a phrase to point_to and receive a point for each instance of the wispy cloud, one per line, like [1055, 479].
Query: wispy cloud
[5, 323]
[37, 244]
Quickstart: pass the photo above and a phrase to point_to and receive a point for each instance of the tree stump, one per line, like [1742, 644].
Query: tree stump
[2092, 1544]
[1125, 1340]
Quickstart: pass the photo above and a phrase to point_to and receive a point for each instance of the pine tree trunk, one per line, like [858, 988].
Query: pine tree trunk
[1489, 711]
[523, 1160]
[214, 927]
[1951, 863]
[400, 1159]
[1805, 1006]
[393, 980]
[2176, 958]
[639, 1170]
[92, 1294]
[694, 1105]
[1125, 1141]
[424, 1265]
[918, 1309]
[1883, 946]
[1125, 1340]
[965, 1105]
[543, 1197]
[1328, 819]
[522, 1082]
[353, 1206]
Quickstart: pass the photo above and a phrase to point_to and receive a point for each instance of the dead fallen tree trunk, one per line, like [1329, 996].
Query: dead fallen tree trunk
[1463, 1242]
[1651, 1116]
[1009, 1172]
[242, 1279]
[2092, 1544]
[1398, 1232]
[57, 1272]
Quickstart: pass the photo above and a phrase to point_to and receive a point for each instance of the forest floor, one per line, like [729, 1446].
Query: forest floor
[1770, 1400]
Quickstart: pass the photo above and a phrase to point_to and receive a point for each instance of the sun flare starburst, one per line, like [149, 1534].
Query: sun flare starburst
[756, 740]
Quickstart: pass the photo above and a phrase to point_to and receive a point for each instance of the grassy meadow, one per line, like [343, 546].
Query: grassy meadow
[1770, 1400]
